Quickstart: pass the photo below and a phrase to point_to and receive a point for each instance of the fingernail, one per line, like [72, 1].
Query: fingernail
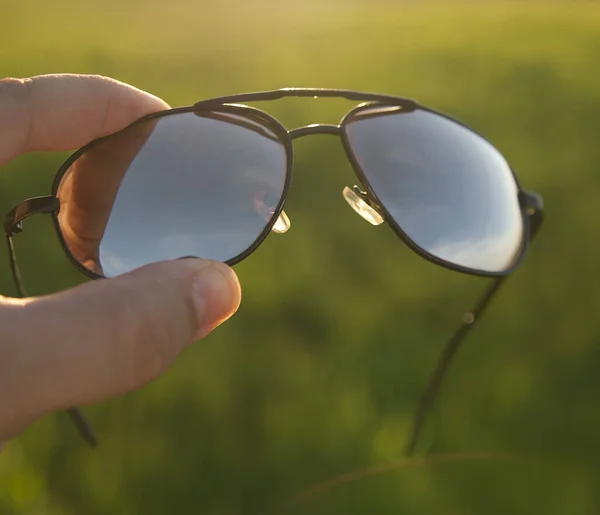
[217, 297]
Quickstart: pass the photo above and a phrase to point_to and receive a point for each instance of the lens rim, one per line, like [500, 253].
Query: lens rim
[256, 115]
[363, 177]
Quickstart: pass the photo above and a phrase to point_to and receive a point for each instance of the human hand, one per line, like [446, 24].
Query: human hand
[106, 337]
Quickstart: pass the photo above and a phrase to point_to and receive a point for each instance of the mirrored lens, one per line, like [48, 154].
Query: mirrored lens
[203, 184]
[447, 188]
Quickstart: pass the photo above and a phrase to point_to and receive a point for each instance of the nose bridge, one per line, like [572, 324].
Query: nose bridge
[357, 199]
[315, 128]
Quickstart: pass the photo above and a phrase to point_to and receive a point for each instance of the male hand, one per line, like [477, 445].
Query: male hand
[106, 337]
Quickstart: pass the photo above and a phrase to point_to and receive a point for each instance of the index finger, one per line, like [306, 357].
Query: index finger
[88, 190]
[66, 111]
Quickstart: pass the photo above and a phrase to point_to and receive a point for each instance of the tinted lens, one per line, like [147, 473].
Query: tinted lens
[202, 184]
[447, 188]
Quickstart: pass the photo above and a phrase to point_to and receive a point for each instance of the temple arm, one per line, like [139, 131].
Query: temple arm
[13, 226]
[535, 212]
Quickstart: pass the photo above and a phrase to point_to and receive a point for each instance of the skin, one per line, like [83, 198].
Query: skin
[88, 191]
[108, 337]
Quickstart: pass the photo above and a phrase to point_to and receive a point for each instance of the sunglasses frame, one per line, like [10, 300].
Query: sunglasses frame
[531, 205]
[51, 204]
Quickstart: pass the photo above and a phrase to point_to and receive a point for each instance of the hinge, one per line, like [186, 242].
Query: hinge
[32, 206]
[531, 201]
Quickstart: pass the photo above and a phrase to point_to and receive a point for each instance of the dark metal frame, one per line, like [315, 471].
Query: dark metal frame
[531, 205]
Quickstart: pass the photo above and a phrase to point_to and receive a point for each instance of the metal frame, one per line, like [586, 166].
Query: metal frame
[531, 203]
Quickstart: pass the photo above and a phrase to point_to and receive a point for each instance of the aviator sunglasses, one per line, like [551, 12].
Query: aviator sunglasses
[211, 180]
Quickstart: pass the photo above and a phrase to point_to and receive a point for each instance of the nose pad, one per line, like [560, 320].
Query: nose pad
[358, 201]
[282, 224]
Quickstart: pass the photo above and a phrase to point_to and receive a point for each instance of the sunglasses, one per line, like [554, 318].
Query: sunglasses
[211, 180]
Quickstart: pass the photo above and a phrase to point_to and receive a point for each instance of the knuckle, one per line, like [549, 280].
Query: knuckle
[191, 313]
[15, 101]
[17, 92]
[152, 340]
[13, 88]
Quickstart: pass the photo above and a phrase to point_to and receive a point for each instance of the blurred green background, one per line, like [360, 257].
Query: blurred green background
[318, 373]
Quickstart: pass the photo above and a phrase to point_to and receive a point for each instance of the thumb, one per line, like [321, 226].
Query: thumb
[108, 337]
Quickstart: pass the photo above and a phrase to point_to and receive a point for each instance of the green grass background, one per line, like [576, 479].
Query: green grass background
[319, 372]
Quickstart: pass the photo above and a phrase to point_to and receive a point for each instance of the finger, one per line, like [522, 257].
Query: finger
[108, 337]
[89, 187]
[63, 112]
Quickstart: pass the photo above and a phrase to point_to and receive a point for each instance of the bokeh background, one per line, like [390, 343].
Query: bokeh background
[319, 372]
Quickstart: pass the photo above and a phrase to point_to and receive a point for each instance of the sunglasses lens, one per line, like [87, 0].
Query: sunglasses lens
[205, 184]
[448, 189]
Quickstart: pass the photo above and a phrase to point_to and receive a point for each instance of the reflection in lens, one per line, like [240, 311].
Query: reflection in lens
[202, 184]
[449, 190]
